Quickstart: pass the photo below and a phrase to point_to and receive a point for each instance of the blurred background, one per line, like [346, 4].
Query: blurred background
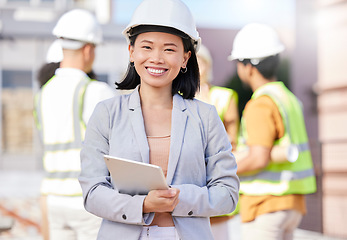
[314, 67]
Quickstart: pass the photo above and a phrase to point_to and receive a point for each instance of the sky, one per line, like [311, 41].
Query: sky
[231, 14]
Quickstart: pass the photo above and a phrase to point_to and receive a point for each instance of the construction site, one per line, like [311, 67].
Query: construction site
[315, 41]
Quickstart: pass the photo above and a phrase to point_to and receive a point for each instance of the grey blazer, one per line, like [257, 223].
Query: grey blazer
[201, 165]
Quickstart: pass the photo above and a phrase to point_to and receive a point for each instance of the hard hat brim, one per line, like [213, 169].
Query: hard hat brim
[273, 52]
[71, 44]
[142, 28]
[155, 28]
[231, 58]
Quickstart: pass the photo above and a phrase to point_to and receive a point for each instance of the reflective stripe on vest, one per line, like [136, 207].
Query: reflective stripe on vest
[62, 160]
[287, 177]
[220, 97]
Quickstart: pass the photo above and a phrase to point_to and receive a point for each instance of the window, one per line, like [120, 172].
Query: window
[16, 78]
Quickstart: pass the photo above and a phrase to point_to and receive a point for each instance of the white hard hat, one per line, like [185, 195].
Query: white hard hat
[256, 41]
[166, 13]
[205, 54]
[55, 52]
[76, 28]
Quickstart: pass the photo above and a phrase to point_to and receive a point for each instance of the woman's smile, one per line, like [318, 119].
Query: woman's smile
[155, 71]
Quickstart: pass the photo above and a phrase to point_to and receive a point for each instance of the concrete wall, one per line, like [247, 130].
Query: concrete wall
[332, 106]
[304, 77]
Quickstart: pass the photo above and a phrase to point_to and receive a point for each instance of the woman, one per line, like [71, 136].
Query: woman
[160, 123]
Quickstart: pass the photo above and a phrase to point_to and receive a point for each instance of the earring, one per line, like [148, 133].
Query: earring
[131, 64]
[184, 70]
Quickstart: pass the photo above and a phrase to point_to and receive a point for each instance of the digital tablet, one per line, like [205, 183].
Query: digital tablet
[134, 177]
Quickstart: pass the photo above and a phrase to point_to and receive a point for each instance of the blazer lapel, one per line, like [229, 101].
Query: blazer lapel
[179, 119]
[136, 119]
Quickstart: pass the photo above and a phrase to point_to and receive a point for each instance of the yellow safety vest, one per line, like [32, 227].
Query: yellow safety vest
[61, 158]
[220, 97]
[286, 177]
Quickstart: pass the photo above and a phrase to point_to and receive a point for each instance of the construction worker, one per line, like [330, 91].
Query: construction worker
[225, 100]
[62, 109]
[272, 201]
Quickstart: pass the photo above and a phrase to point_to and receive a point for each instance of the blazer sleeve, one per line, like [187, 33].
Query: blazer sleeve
[220, 194]
[100, 198]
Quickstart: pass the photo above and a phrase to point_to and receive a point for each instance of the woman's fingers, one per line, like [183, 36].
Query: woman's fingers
[161, 200]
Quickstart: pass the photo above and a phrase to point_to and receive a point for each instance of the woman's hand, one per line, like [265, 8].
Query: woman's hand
[161, 200]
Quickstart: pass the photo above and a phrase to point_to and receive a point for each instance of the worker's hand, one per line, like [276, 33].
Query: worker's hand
[161, 200]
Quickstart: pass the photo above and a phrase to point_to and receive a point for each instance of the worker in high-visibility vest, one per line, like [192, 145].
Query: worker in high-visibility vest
[62, 109]
[272, 194]
[226, 102]
[224, 99]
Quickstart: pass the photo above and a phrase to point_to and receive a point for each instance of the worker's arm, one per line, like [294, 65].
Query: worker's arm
[264, 125]
[255, 159]
[231, 122]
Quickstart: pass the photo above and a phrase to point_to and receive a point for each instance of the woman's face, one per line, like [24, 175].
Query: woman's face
[158, 58]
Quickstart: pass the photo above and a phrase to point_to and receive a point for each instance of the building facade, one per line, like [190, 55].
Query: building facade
[332, 112]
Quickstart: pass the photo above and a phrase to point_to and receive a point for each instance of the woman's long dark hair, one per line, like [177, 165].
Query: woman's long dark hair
[186, 84]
